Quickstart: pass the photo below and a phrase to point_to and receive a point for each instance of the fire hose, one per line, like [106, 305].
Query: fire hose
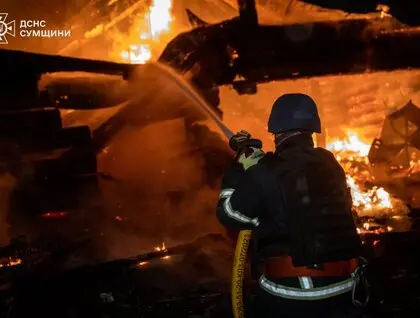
[242, 243]
[244, 237]
[238, 271]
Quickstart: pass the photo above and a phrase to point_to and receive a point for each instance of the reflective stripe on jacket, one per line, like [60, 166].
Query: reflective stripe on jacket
[307, 291]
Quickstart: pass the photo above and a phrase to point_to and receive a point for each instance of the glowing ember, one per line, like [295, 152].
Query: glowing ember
[414, 165]
[161, 248]
[54, 215]
[154, 24]
[373, 228]
[11, 261]
[352, 155]
[384, 10]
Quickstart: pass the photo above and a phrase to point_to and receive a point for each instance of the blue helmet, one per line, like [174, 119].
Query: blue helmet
[294, 112]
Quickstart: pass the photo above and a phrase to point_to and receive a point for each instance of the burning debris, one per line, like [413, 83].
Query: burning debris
[370, 226]
[161, 248]
[160, 251]
[370, 202]
[10, 262]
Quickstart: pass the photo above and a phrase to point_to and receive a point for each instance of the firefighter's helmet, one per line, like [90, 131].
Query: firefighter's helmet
[294, 112]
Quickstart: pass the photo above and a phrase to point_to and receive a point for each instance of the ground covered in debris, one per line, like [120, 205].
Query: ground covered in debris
[194, 282]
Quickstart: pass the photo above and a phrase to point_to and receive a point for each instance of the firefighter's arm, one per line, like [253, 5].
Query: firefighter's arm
[240, 199]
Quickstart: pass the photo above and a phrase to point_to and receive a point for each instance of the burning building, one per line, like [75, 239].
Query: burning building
[156, 161]
[138, 33]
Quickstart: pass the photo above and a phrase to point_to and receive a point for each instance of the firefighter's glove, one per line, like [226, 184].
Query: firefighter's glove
[252, 159]
[237, 141]
[242, 140]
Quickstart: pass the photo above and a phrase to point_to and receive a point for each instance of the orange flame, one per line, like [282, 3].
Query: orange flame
[351, 144]
[365, 201]
[161, 248]
[11, 261]
[154, 24]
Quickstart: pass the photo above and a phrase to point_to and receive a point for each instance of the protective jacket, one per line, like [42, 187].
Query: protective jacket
[290, 216]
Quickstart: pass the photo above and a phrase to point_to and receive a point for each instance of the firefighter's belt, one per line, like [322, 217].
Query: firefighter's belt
[281, 267]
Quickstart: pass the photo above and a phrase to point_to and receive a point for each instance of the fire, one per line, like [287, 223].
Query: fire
[161, 248]
[156, 22]
[414, 165]
[160, 17]
[10, 261]
[352, 144]
[372, 227]
[370, 199]
[352, 155]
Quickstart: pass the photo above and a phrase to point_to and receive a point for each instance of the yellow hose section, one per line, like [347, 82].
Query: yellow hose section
[238, 271]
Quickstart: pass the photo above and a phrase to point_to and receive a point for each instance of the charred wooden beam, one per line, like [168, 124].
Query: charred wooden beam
[194, 20]
[269, 53]
[19, 86]
[349, 47]
[354, 6]
[248, 13]
[407, 12]
[14, 61]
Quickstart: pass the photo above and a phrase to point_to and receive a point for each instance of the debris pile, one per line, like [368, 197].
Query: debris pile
[370, 201]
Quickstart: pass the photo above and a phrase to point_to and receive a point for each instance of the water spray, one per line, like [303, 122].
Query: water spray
[244, 237]
[188, 90]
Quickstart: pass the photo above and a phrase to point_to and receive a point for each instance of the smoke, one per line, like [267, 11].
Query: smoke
[167, 158]
[82, 90]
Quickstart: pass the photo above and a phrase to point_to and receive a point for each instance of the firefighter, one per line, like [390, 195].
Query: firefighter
[299, 208]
